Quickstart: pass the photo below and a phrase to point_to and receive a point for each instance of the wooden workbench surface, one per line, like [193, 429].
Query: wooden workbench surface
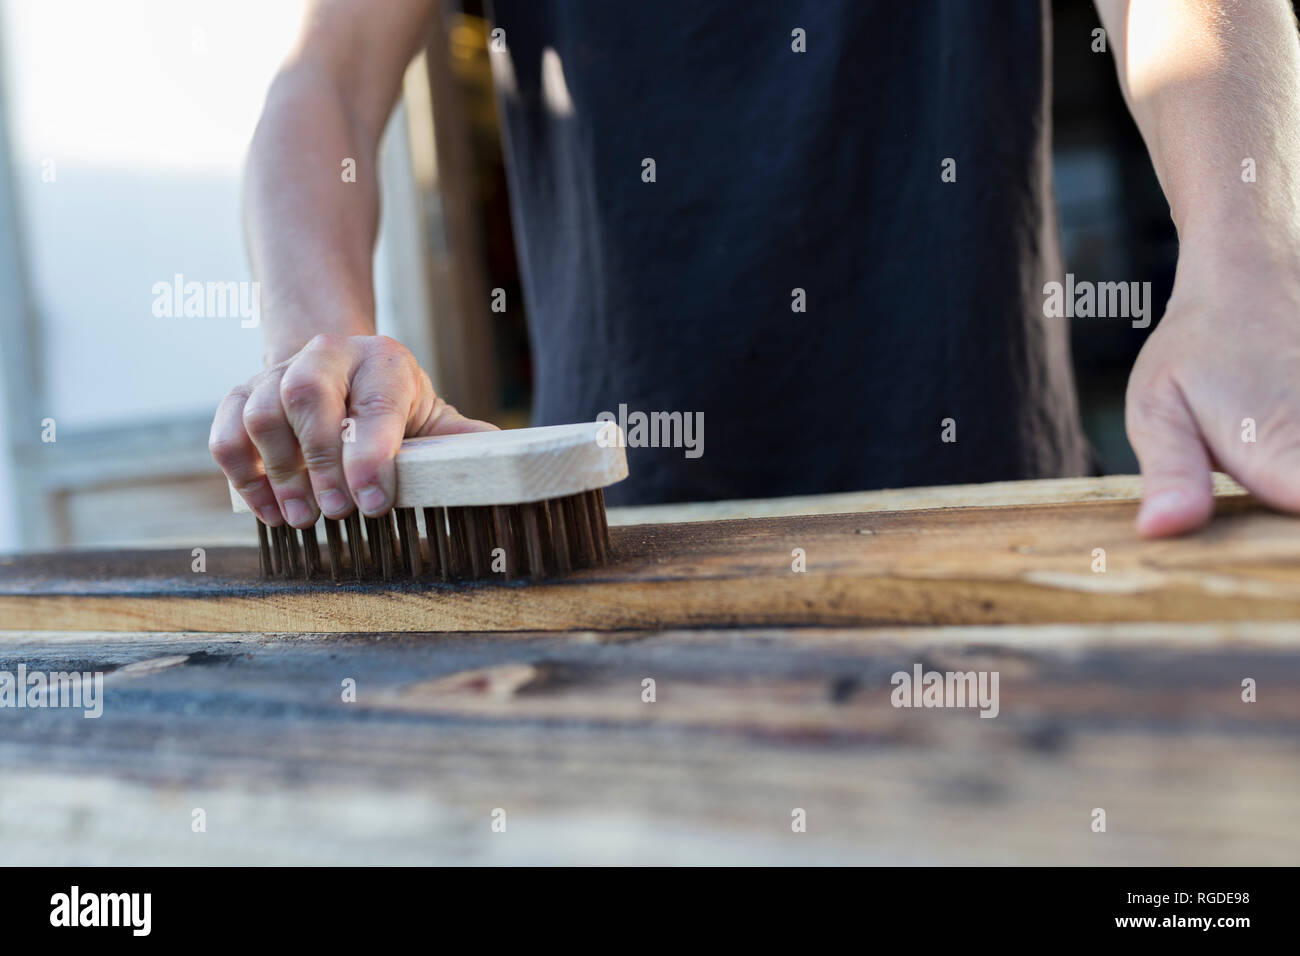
[1144, 719]
[1067, 562]
[748, 725]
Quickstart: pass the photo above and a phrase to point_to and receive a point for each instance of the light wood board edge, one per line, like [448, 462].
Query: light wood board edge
[988, 495]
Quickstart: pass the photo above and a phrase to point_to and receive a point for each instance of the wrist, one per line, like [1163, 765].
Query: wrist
[1240, 248]
[1250, 226]
[286, 336]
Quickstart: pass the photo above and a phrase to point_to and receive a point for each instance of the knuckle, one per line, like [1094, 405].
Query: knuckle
[229, 451]
[263, 418]
[326, 341]
[389, 354]
[301, 392]
[282, 473]
[364, 459]
[250, 489]
[376, 404]
[239, 393]
[271, 373]
[319, 456]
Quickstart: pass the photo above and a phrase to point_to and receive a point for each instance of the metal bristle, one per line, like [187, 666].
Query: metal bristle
[385, 545]
[596, 516]
[412, 561]
[435, 562]
[580, 521]
[501, 539]
[472, 544]
[557, 525]
[356, 547]
[456, 547]
[533, 542]
[294, 549]
[442, 540]
[264, 551]
[311, 553]
[538, 539]
[371, 540]
[279, 556]
[334, 545]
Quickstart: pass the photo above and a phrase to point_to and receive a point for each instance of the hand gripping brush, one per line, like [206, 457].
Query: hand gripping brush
[526, 502]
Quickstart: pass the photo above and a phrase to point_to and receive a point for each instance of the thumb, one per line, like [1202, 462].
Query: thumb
[445, 420]
[1177, 488]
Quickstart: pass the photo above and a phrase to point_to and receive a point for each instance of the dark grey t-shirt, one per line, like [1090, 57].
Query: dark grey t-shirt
[776, 171]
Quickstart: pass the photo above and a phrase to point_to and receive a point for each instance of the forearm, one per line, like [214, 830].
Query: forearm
[310, 231]
[1212, 84]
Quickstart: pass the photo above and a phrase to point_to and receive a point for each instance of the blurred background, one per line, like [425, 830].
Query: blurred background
[121, 147]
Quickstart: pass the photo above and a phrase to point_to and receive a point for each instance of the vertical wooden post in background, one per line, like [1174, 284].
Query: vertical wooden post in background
[465, 368]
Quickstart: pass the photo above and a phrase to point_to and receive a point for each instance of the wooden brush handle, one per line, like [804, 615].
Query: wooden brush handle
[506, 467]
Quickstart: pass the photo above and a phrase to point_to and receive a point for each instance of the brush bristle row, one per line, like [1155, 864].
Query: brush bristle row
[536, 540]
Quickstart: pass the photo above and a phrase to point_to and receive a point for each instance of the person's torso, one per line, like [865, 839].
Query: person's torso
[820, 228]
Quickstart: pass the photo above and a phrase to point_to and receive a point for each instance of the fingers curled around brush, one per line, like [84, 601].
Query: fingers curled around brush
[313, 393]
[267, 424]
[385, 398]
[233, 450]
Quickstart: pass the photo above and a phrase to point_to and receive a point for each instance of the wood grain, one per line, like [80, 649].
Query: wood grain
[968, 566]
[1144, 721]
[1143, 718]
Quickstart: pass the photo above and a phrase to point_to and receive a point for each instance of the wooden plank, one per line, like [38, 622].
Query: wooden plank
[1029, 564]
[154, 533]
[746, 726]
[991, 494]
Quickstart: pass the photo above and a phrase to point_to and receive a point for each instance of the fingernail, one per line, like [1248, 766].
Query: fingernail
[333, 502]
[271, 517]
[297, 511]
[372, 499]
[1170, 500]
